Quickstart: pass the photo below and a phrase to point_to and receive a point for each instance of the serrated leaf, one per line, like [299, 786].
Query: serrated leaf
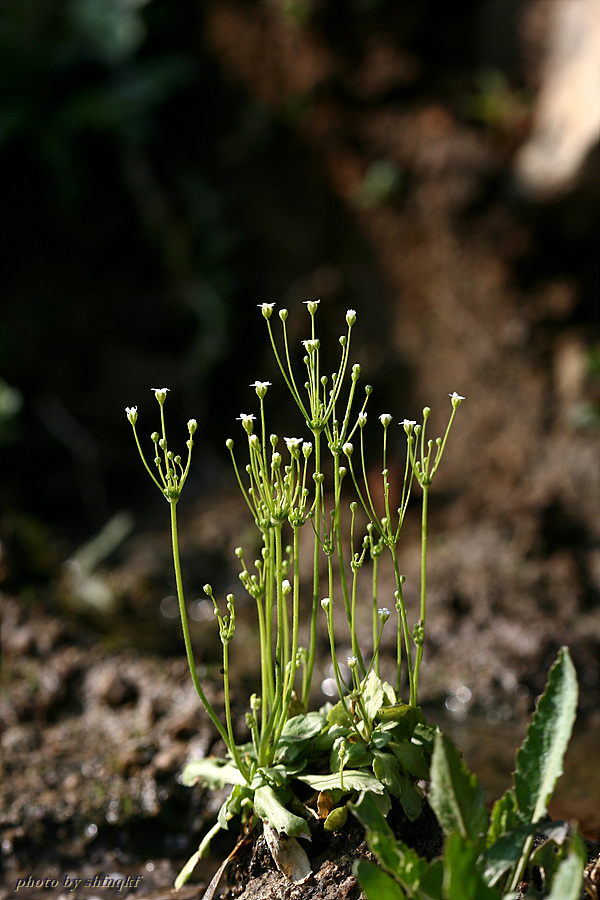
[376, 884]
[540, 758]
[269, 807]
[456, 795]
[503, 817]
[462, 880]
[354, 780]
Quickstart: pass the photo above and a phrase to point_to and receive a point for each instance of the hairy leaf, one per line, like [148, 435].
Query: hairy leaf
[456, 795]
[540, 758]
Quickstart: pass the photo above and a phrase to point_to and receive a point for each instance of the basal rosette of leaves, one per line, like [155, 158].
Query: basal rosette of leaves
[373, 739]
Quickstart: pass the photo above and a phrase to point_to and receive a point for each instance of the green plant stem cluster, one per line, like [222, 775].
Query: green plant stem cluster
[368, 732]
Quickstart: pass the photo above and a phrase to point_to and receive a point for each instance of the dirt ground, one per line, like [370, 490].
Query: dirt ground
[460, 282]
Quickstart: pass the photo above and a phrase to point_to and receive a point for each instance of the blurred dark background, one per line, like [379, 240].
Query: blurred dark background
[170, 164]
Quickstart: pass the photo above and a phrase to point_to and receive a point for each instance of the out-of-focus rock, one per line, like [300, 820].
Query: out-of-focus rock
[566, 121]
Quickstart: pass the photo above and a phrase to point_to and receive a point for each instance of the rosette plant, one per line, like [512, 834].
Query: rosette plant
[297, 767]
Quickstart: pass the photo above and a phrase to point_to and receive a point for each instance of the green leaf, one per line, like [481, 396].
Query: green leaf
[566, 884]
[371, 811]
[503, 854]
[372, 695]
[462, 880]
[386, 769]
[303, 727]
[503, 817]
[411, 800]
[356, 755]
[354, 780]
[186, 871]
[213, 772]
[269, 807]
[540, 758]
[376, 884]
[336, 819]
[456, 795]
[411, 758]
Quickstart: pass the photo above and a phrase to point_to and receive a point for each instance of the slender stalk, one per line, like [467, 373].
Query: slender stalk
[419, 642]
[186, 632]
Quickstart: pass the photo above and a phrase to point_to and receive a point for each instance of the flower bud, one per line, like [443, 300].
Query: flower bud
[326, 603]
[283, 314]
[155, 437]
[192, 426]
[229, 444]
[348, 449]
[350, 317]
[383, 614]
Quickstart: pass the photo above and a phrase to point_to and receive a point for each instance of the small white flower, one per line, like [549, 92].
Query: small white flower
[160, 394]
[293, 444]
[312, 306]
[261, 388]
[132, 414]
[385, 419]
[408, 425]
[246, 419]
[362, 419]
[350, 316]
[192, 426]
[383, 614]
[348, 449]
[311, 345]
[456, 399]
[352, 661]
[285, 587]
[266, 308]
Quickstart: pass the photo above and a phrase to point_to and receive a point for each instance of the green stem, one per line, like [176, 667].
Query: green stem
[419, 657]
[186, 632]
[312, 647]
